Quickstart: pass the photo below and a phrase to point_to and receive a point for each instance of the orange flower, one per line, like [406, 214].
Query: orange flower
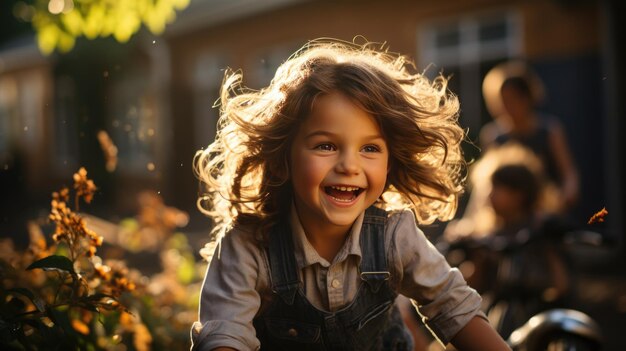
[62, 196]
[91, 251]
[109, 149]
[97, 240]
[84, 187]
[598, 217]
[80, 327]
[102, 271]
[70, 227]
[142, 339]
[126, 319]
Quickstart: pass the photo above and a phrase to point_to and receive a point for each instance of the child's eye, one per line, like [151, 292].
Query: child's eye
[371, 148]
[325, 147]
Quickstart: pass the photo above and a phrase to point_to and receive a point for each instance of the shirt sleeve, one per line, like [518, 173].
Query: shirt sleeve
[444, 299]
[229, 299]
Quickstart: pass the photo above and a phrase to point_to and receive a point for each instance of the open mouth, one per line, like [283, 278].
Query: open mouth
[343, 193]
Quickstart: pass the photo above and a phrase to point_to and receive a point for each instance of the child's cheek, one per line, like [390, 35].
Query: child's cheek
[307, 171]
[381, 179]
[313, 172]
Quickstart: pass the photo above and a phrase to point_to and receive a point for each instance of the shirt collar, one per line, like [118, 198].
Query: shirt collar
[306, 255]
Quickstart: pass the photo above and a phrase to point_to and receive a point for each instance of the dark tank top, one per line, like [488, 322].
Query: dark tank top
[539, 143]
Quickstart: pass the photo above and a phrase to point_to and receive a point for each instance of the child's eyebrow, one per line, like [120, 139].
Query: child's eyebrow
[331, 134]
[320, 133]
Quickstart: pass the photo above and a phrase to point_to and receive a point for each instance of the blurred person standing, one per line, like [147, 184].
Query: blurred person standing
[512, 92]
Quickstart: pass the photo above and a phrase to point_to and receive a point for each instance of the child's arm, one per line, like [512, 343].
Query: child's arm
[450, 307]
[230, 298]
[478, 335]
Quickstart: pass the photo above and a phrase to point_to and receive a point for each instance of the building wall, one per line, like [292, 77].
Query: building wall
[550, 32]
[176, 81]
[26, 99]
[26, 142]
[554, 30]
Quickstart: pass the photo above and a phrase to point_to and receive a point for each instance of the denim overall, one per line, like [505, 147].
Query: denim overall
[370, 322]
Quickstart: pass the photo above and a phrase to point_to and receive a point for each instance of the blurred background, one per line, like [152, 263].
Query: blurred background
[133, 103]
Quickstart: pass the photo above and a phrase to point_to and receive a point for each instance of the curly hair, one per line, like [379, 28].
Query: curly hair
[245, 171]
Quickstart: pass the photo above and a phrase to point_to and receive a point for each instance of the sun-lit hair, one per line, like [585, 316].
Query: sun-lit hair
[517, 72]
[245, 171]
[479, 218]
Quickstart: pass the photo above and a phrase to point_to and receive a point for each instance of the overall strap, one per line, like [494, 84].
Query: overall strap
[373, 267]
[283, 266]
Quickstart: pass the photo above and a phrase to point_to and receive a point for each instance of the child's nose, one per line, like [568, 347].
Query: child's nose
[348, 163]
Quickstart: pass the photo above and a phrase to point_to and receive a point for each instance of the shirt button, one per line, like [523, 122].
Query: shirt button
[335, 283]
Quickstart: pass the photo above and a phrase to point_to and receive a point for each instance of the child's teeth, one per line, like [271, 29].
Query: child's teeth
[345, 188]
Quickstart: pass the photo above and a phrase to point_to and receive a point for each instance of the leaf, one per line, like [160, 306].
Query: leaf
[53, 262]
[90, 307]
[39, 303]
[65, 42]
[94, 302]
[186, 271]
[16, 304]
[180, 4]
[22, 291]
[99, 296]
[47, 37]
[100, 18]
[92, 26]
[73, 22]
[62, 320]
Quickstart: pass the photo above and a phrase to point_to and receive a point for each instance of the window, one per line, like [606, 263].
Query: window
[464, 49]
[265, 65]
[8, 117]
[65, 128]
[133, 123]
[207, 78]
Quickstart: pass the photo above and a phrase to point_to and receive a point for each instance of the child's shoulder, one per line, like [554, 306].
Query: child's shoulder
[243, 237]
[402, 214]
[405, 241]
[400, 219]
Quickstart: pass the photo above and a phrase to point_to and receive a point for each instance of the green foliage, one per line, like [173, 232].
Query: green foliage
[59, 22]
[53, 262]
[65, 297]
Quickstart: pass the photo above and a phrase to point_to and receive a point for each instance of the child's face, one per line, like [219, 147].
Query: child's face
[516, 104]
[338, 163]
[507, 203]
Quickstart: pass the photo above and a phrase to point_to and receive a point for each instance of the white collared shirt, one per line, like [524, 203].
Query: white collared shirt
[237, 285]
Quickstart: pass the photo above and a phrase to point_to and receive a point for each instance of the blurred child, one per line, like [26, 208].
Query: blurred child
[530, 271]
[315, 183]
[514, 194]
[512, 91]
[514, 197]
